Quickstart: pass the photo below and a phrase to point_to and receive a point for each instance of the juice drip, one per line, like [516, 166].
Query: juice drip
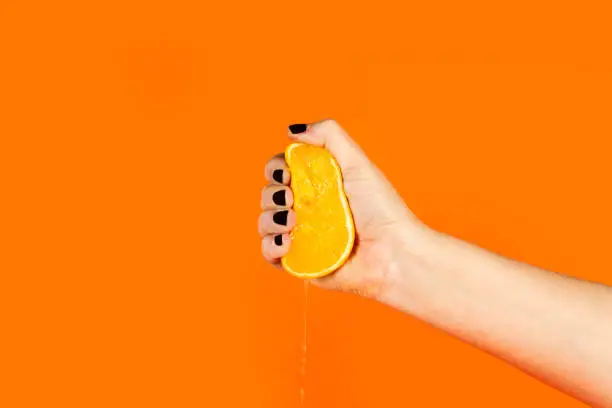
[304, 345]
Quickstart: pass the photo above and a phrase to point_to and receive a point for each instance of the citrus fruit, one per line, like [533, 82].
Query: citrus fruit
[324, 233]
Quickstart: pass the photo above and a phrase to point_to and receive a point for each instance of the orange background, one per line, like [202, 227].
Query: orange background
[133, 140]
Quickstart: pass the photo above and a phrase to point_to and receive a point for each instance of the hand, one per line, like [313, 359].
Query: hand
[385, 227]
[478, 296]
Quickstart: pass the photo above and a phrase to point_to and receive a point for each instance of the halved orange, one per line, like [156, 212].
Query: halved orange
[323, 236]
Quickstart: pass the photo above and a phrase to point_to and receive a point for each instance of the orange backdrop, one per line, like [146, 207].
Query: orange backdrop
[133, 140]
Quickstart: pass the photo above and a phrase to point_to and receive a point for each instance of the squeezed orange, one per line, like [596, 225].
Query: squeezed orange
[323, 236]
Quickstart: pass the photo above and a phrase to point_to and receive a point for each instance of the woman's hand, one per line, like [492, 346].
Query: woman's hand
[385, 226]
[554, 327]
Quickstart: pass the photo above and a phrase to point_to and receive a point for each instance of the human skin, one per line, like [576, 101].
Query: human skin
[554, 327]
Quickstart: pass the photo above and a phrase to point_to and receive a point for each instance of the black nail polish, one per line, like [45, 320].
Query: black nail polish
[297, 128]
[277, 175]
[280, 217]
[279, 198]
[278, 240]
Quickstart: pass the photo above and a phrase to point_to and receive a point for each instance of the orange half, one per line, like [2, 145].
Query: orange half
[323, 236]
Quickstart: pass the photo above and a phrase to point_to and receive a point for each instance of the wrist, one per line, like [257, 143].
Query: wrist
[409, 269]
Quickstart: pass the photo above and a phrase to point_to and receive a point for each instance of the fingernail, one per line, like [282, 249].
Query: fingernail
[280, 217]
[279, 197]
[297, 128]
[278, 240]
[277, 175]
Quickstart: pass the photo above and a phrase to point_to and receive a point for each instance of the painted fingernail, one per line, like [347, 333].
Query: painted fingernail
[297, 128]
[279, 198]
[277, 175]
[278, 240]
[280, 217]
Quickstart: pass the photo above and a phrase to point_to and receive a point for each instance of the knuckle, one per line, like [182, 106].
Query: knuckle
[328, 122]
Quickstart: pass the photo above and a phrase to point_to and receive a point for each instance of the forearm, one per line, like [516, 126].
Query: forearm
[554, 327]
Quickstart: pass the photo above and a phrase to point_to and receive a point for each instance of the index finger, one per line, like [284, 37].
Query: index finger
[277, 170]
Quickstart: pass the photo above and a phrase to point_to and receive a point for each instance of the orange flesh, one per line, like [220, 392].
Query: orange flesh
[323, 236]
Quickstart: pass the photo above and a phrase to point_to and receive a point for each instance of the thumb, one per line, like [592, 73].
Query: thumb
[330, 135]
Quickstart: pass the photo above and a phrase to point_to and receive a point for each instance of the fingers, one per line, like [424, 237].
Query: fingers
[329, 134]
[273, 247]
[276, 222]
[277, 171]
[274, 226]
[277, 219]
[276, 197]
